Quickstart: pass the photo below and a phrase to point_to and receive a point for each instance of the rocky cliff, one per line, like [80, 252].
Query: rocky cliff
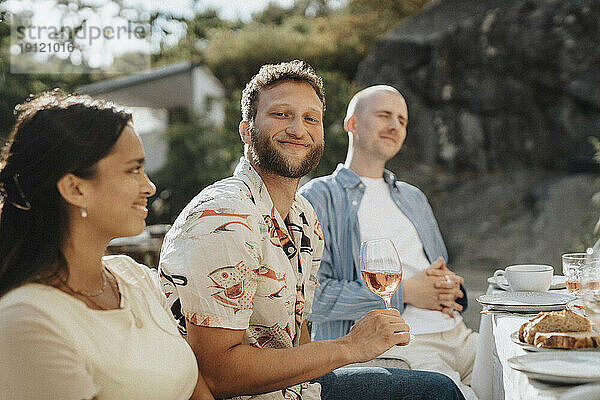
[495, 84]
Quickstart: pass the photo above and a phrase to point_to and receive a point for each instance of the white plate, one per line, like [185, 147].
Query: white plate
[525, 301]
[558, 282]
[591, 391]
[529, 347]
[559, 366]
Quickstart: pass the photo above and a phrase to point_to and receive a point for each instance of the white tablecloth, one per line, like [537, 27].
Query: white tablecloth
[493, 379]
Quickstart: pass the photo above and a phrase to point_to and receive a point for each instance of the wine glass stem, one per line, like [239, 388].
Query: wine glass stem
[388, 302]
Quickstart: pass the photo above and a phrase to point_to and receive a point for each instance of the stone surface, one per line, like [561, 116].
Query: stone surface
[502, 97]
[492, 84]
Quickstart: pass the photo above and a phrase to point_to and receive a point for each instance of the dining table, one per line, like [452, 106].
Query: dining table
[493, 377]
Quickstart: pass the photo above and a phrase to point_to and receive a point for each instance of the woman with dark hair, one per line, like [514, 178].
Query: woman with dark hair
[75, 324]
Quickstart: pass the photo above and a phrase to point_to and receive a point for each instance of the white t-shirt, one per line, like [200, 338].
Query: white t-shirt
[53, 346]
[379, 217]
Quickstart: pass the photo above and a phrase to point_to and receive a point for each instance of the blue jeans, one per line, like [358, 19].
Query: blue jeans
[366, 383]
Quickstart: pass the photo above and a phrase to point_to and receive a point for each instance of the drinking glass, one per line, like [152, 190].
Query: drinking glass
[590, 285]
[573, 264]
[381, 268]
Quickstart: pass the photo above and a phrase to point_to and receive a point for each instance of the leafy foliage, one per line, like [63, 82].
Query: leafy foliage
[192, 45]
[338, 92]
[333, 41]
[199, 155]
[592, 231]
[15, 88]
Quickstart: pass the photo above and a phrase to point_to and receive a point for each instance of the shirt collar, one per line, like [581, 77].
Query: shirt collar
[389, 177]
[246, 172]
[252, 179]
[348, 178]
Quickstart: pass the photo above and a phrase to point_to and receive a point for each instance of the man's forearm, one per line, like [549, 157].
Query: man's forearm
[231, 368]
[246, 370]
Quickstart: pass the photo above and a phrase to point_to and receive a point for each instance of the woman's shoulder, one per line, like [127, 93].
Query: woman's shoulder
[28, 293]
[130, 271]
[125, 266]
[31, 300]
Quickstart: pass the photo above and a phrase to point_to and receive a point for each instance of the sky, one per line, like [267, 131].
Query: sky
[47, 16]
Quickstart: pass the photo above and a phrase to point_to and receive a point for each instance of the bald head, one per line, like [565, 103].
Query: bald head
[376, 123]
[360, 99]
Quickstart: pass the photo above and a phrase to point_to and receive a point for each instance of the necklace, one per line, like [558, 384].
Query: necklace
[114, 286]
[89, 294]
[90, 297]
[115, 292]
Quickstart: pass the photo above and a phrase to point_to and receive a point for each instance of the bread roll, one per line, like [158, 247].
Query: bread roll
[554, 321]
[526, 326]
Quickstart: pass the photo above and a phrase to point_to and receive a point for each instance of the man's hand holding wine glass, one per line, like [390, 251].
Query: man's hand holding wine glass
[375, 333]
[378, 330]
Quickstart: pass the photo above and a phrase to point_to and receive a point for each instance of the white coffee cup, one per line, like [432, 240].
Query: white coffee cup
[526, 277]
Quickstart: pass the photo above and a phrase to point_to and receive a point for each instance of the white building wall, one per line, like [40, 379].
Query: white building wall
[151, 125]
[206, 86]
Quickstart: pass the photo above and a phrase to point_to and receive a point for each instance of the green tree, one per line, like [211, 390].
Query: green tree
[390, 10]
[15, 88]
[592, 228]
[199, 154]
[338, 91]
[333, 41]
[192, 45]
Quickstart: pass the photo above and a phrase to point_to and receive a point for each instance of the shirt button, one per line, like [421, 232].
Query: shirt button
[354, 202]
[361, 185]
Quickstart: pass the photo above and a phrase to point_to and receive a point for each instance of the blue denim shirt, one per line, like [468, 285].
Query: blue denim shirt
[342, 297]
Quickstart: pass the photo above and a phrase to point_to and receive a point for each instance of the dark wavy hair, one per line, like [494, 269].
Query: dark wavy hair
[55, 134]
[271, 74]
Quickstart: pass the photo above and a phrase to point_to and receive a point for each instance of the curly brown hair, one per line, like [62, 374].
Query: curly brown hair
[269, 75]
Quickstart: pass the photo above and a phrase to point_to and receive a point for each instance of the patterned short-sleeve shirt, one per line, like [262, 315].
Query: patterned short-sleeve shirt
[231, 261]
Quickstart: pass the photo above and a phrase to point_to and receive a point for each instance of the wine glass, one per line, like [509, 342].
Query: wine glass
[573, 264]
[590, 285]
[381, 268]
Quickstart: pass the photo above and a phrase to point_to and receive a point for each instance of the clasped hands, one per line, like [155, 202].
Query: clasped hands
[435, 288]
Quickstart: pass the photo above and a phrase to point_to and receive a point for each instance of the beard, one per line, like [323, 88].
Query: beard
[268, 158]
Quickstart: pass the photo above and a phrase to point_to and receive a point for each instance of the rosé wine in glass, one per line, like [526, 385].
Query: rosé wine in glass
[381, 283]
[381, 268]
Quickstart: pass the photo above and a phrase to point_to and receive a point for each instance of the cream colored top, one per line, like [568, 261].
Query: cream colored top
[52, 346]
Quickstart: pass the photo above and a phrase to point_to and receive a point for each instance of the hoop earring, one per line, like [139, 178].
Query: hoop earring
[83, 212]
